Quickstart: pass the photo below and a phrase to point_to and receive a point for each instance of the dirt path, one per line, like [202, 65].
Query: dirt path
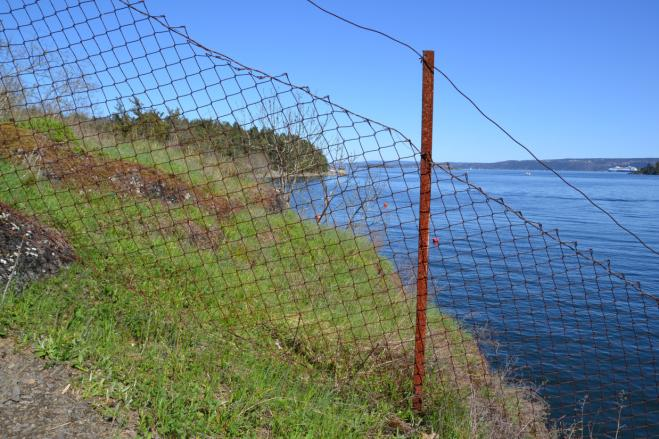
[38, 402]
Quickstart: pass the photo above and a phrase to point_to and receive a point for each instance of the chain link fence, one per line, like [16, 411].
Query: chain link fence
[175, 220]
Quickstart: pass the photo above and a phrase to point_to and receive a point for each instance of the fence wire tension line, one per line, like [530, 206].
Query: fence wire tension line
[491, 120]
[221, 250]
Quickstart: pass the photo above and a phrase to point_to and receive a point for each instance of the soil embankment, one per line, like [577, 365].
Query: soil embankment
[37, 401]
[29, 250]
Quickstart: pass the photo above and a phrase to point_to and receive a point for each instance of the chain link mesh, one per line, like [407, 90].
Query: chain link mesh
[165, 176]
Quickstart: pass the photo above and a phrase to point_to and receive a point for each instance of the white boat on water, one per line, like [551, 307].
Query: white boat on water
[623, 169]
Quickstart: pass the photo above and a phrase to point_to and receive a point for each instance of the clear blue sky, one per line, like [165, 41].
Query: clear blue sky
[569, 78]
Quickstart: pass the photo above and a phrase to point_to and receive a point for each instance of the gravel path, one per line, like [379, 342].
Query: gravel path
[38, 402]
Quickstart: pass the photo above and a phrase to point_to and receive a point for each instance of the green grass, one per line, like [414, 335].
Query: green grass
[278, 330]
[52, 127]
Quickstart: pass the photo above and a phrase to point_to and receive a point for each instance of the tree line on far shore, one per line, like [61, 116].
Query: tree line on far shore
[286, 149]
[650, 169]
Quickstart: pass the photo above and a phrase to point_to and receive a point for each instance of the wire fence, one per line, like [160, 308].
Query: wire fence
[157, 190]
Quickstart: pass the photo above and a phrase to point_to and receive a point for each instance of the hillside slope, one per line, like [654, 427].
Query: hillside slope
[207, 310]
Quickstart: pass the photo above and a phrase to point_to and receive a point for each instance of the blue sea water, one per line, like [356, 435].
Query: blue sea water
[588, 339]
[633, 199]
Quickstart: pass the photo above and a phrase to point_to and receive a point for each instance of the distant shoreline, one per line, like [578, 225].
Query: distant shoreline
[589, 164]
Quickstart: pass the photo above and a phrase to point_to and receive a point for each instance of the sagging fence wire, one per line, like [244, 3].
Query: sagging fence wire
[498, 125]
[222, 219]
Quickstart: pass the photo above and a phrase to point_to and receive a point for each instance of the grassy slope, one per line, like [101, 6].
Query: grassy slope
[279, 330]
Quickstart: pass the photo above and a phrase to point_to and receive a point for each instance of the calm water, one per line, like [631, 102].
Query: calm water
[633, 199]
[587, 339]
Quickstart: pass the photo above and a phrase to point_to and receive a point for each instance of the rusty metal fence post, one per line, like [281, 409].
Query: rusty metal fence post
[428, 66]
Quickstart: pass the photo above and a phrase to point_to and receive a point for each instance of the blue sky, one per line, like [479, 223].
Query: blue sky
[569, 78]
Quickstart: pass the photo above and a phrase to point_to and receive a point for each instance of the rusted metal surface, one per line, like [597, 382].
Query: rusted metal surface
[424, 221]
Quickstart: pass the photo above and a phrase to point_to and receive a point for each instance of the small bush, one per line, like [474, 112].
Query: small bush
[55, 129]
